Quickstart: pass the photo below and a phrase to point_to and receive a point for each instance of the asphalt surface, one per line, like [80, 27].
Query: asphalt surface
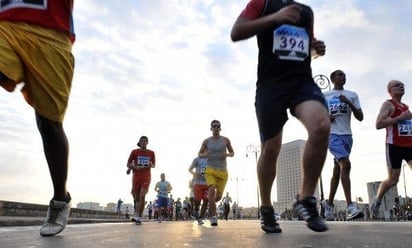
[239, 233]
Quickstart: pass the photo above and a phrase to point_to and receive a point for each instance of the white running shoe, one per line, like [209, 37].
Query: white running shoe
[329, 210]
[354, 212]
[56, 219]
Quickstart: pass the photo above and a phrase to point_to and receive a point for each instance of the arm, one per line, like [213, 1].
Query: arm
[203, 150]
[384, 120]
[153, 161]
[356, 112]
[245, 27]
[229, 148]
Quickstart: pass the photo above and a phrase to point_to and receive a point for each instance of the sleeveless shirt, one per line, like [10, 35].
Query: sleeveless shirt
[216, 149]
[399, 134]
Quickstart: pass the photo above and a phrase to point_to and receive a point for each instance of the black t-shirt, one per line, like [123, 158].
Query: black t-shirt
[288, 58]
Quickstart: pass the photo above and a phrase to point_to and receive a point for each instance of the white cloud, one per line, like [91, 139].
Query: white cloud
[165, 69]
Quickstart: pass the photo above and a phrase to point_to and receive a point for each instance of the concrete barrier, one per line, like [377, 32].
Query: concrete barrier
[18, 214]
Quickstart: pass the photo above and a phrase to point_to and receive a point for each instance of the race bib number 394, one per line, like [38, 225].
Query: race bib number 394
[291, 43]
[32, 4]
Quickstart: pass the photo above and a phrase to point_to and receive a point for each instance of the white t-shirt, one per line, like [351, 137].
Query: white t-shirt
[341, 111]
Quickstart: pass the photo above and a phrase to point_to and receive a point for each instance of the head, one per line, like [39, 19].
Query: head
[338, 78]
[395, 87]
[143, 141]
[215, 126]
[162, 176]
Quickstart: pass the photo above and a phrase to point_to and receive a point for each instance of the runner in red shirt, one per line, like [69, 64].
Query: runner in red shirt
[141, 161]
[396, 117]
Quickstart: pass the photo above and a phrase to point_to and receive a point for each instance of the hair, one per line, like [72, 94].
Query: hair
[214, 121]
[142, 137]
[333, 74]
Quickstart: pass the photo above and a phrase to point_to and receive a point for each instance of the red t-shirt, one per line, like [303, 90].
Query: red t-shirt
[142, 158]
[54, 14]
[399, 134]
[253, 9]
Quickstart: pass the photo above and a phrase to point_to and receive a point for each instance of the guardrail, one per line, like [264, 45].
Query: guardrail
[8, 208]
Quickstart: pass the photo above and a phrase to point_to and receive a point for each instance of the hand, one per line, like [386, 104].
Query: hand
[128, 171]
[319, 47]
[288, 14]
[407, 115]
[344, 99]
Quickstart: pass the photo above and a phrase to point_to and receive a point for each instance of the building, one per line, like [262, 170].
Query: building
[89, 205]
[388, 199]
[289, 174]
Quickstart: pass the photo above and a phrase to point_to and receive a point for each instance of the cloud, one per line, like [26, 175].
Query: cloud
[165, 69]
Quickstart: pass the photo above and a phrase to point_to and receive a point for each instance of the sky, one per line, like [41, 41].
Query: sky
[167, 68]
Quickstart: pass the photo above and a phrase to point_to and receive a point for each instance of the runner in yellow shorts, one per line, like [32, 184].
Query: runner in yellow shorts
[35, 50]
[216, 149]
[42, 60]
[216, 177]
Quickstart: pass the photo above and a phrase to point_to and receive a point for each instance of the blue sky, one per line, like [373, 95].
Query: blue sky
[165, 69]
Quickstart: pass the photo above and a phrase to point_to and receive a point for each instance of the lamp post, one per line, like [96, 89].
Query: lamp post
[324, 84]
[404, 181]
[255, 150]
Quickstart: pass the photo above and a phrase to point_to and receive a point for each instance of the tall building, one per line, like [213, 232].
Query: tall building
[387, 201]
[289, 170]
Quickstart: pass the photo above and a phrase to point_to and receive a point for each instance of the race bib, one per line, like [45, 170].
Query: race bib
[337, 107]
[32, 4]
[143, 161]
[405, 128]
[203, 168]
[291, 43]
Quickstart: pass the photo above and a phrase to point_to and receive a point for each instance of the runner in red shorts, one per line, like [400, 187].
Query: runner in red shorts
[141, 161]
[197, 169]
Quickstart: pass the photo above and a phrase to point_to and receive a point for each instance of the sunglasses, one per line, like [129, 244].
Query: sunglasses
[216, 126]
[396, 85]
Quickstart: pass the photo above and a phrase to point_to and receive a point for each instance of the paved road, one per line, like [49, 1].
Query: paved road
[244, 233]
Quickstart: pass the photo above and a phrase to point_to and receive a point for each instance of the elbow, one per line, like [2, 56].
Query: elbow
[235, 35]
[379, 126]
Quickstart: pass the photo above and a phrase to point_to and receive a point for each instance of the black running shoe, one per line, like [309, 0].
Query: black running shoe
[308, 211]
[268, 220]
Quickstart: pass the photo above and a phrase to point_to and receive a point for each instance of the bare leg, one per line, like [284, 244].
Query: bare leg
[141, 203]
[212, 199]
[392, 180]
[56, 150]
[334, 182]
[345, 179]
[316, 121]
[266, 168]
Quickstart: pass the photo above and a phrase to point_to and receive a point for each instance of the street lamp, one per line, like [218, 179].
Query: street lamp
[324, 83]
[237, 190]
[255, 150]
[404, 181]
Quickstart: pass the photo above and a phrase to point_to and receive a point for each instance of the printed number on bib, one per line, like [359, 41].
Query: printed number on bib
[143, 161]
[405, 128]
[337, 107]
[291, 43]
